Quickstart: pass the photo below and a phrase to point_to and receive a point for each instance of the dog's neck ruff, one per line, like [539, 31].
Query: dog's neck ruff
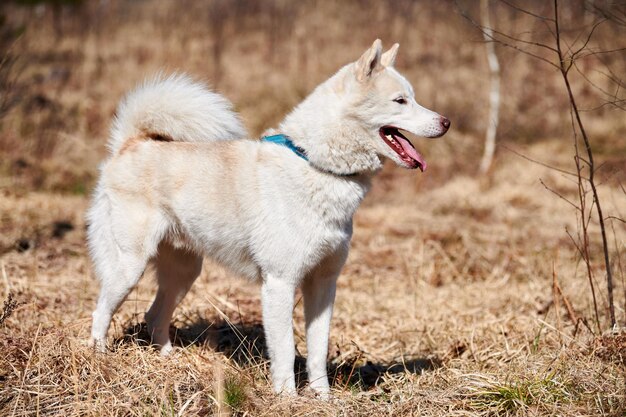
[284, 140]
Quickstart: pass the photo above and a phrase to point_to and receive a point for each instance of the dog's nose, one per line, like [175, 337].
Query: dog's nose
[445, 123]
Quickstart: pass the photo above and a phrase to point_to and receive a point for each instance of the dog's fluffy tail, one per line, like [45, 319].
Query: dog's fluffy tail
[174, 108]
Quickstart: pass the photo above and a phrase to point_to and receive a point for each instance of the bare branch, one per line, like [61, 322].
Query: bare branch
[612, 77]
[596, 199]
[519, 9]
[615, 218]
[586, 162]
[584, 45]
[616, 103]
[559, 195]
[610, 51]
[562, 171]
[606, 13]
[547, 25]
[513, 38]
[592, 83]
[508, 45]
[490, 36]
[576, 243]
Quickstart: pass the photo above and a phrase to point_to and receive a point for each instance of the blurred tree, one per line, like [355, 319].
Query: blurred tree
[494, 93]
[8, 36]
[57, 10]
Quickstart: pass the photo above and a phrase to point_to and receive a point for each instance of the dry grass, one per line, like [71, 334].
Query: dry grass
[445, 306]
[439, 311]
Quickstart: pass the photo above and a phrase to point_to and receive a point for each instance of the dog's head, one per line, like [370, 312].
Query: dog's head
[384, 103]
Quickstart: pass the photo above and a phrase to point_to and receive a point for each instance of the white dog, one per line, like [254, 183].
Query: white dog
[182, 182]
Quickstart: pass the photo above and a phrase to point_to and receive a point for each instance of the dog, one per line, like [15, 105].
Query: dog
[183, 182]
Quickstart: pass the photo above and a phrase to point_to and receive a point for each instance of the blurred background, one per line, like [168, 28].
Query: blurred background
[67, 63]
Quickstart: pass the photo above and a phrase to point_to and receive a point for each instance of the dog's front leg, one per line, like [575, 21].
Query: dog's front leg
[277, 298]
[319, 297]
[318, 290]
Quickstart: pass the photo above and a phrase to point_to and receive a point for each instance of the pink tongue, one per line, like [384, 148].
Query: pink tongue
[410, 150]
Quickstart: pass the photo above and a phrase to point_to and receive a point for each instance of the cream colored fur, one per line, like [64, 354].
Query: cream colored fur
[181, 184]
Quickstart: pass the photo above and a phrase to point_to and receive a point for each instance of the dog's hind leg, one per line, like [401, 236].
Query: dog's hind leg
[117, 283]
[122, 239]
[176, 270]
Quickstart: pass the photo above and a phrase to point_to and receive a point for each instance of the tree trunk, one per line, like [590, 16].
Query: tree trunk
[494, 92]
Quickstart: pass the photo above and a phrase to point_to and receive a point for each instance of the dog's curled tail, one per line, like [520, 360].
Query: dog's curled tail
[174, 108]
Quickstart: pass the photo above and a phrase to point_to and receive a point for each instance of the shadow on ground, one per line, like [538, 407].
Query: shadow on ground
[245, 345]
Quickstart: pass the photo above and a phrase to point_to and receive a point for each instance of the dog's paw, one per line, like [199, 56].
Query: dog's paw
[97, 345]
[317, 393]
[323, 395]
[286, 391]
[167, 349]
[320, 388]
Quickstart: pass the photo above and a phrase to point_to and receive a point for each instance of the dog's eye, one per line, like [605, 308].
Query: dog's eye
[400, 100]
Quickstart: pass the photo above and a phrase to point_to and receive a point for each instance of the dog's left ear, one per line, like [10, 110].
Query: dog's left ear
[389, 57]
[369, 63]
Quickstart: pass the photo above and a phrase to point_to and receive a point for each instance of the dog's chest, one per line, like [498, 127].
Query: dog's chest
[332, 200]
[326, 212]
[305, 224]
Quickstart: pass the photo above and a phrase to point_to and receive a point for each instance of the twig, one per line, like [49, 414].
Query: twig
[584, 45]
[500, 41]
[559, 195]
[555, 297]
[519, 9]
[568, 306]
[594, 85]
[562, 171]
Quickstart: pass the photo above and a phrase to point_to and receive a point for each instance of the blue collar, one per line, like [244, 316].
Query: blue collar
[284, 140]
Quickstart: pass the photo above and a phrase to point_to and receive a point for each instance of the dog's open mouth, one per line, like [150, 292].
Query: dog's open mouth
[401, 145]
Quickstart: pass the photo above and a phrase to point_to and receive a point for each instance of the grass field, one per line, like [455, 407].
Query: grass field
[449, 303]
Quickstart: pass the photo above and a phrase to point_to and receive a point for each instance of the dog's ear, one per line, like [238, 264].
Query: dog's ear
[389, 57]
[369, 63]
